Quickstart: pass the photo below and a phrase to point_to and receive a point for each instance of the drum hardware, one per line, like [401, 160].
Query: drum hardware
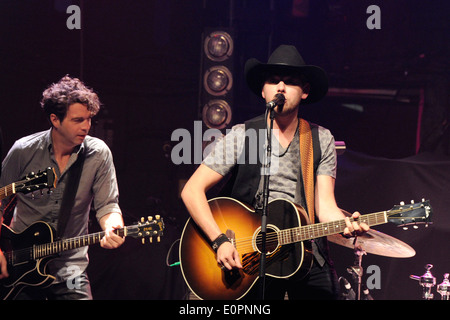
[366, 294]
[427, 281]
[347, 292]
[444, 288]
[372, 242]
[375, 242]
[357, 270]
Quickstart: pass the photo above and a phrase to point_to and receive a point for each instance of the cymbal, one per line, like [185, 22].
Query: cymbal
[376, 242]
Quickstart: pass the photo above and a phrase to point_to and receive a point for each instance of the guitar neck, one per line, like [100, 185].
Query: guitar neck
[31, 182]
[324, 229]
[48, 249]
[6, 191]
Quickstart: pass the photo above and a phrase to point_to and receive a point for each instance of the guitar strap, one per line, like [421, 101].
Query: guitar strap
[70, 191]
[307, 165]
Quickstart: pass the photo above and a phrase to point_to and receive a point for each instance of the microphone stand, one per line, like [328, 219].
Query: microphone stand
[266, 172]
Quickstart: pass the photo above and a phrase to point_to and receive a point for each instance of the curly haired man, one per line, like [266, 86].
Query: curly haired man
[69, 106]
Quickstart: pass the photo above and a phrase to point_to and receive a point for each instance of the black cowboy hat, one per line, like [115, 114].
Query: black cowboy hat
[286, 59]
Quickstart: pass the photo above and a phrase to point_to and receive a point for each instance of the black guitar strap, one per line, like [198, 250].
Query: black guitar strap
[70, 191]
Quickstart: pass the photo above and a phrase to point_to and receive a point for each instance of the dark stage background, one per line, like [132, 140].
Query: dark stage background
[388, 100]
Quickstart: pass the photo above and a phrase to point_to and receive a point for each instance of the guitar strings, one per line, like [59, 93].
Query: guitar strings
[301, 233]
[41, 250]
[290, 235]
[306, 232]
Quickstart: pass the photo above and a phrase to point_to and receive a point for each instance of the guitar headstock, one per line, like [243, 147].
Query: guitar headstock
[147, 228]
[36, 181]
[405, 215]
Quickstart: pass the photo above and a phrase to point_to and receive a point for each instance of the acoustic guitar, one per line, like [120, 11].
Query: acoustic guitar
[288, 245]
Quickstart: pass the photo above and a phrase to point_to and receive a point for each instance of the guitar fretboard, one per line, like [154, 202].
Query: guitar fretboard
[323, 229]
[48, 249]
[144, 229]
[7, 191]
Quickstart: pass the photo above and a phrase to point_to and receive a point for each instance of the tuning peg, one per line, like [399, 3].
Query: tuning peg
[157, 217]
[412, 201]
[402, 203]
[142, 219]
[149, 218]
[405, 228]
[158, 238]
[143, 240]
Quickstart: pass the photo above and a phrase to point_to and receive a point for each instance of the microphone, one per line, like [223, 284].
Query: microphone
[277, 101]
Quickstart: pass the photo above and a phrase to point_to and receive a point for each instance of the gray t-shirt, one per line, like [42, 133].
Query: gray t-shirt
[97, 188]
[285, 162]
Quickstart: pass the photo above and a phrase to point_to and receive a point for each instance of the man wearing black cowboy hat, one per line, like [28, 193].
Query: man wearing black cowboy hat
[285, 73]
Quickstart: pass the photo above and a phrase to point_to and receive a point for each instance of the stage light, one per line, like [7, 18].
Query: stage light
[216, 92]
[218, 80]
[218, 46]
[216, 114]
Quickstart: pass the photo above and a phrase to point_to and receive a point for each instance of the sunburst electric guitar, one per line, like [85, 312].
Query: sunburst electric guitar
[288, 249]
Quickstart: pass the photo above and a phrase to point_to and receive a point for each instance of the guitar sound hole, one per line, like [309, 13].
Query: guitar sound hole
[271, 241]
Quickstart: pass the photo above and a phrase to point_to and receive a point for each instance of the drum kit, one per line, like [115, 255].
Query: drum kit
[427, 281]
[378, 243]
[373, 242]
